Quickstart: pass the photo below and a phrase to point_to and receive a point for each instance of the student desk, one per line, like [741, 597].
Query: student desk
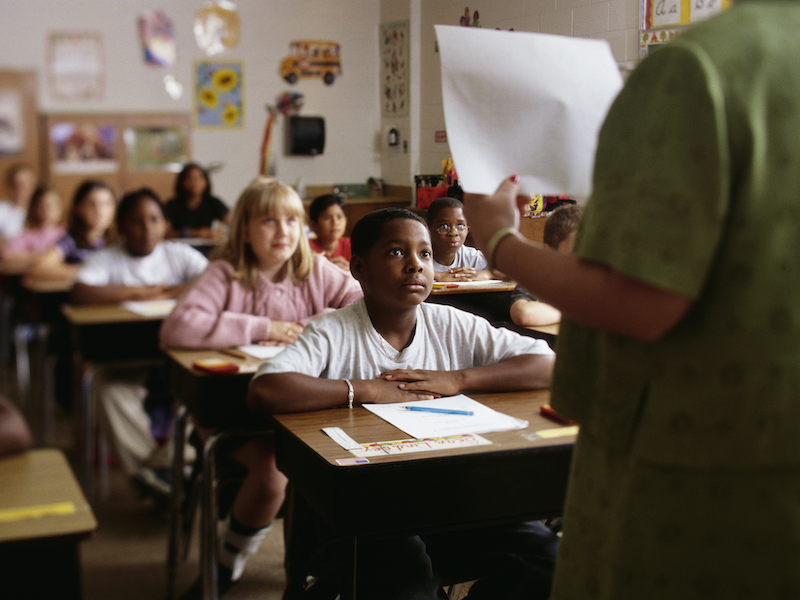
[104, 333]
[489, 299]
[43, 517]
[548, 333]
[214, 400]
[520, 476]
[42, 301]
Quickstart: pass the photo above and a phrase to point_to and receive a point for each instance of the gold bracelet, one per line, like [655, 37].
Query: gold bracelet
[497, 237]
[350, 394]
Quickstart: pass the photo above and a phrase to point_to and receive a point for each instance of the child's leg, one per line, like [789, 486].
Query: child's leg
[121, 395]
[256, 504]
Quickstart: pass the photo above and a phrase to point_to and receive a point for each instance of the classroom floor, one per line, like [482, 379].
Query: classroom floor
[126, 557]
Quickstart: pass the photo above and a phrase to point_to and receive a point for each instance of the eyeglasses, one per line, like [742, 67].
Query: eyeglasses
[444, 228]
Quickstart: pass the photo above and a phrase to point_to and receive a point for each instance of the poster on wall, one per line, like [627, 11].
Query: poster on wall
[394, 68]
[218, 94]
[83, 148]
[12, 125]
[75, 68]
[155, 148]
[157, 35]
[671, 13]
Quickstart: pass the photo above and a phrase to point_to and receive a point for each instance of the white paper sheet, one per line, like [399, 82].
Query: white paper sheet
[527, 104]
[421, 425]
[261, 352]
[151, 308]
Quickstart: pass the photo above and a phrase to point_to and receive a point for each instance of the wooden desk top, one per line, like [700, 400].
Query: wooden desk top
[519, 476]
[41, 478]
[100, 314]
[548, 329]
[186, 359]
[442, 288]
[47, 286]
[364, 427]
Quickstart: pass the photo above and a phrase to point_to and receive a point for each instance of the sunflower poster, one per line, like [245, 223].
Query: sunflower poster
[218, 94]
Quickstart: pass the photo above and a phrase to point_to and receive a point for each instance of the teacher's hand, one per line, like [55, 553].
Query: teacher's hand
[487, 214]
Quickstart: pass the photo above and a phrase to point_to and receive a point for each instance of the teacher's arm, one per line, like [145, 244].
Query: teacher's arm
[586, 292]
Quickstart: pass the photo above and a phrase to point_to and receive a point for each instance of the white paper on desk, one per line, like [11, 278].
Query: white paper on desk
[261, 352]
[421, 425]
[529, 104]
[151, 308]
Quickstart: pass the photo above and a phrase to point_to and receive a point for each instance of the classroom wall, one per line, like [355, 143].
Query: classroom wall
[350, 106]
[616, 21]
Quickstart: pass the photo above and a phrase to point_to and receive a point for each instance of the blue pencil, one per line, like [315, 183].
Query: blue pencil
[444, 411]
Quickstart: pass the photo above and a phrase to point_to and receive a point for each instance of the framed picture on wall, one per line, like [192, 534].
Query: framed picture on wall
[218, 97]
[155, 148]
[75, 66]
[12, 124]
[83, 147]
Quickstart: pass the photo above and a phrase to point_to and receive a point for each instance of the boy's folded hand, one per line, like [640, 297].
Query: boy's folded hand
[383, 391]
[437, 383]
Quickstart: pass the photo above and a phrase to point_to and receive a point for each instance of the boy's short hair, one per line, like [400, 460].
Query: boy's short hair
[369, 228]
[322, 203]
[439, 205]
[561, 222]
[130, 199]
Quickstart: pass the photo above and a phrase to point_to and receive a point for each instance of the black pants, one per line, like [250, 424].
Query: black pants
[511, 562]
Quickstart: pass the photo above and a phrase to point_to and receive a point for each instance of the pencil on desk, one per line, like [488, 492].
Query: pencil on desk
[236, 353]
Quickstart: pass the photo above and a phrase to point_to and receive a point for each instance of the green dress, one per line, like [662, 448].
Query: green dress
[686, 476]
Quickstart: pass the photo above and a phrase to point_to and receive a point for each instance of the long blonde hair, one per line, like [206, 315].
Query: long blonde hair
[266, 196]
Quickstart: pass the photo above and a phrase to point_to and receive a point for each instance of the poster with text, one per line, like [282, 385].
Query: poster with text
[394, 69]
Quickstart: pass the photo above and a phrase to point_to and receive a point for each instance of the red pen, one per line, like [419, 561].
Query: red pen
[549, 412]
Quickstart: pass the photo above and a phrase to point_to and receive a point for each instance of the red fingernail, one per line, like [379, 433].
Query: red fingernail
[514, 179]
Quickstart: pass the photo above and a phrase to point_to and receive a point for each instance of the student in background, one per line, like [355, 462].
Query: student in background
[265, 287]
[21, 183]
[559, 234]
[43, 228]
[15, 435]
[328, 221]
[194, 209]
[393, 347]
[89, 224]
[141, 267]
[452, 260]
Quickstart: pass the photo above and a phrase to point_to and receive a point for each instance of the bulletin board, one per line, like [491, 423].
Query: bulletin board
[19, 136]
[671, 13]
[662, 20]
[126, 151]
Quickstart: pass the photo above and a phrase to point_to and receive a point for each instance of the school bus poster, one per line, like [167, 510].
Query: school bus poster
[312, 59]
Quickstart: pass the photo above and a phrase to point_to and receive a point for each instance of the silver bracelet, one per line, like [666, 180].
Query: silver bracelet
[350, 394]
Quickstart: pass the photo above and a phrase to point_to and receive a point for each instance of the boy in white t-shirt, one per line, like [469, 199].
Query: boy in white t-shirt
[452, 260]
[142, 267]
[392, 347]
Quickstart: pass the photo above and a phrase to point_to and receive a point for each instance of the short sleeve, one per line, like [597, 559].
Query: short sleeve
[660, 195]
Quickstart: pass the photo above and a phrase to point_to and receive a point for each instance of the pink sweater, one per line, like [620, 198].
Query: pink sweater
[32, 241]
[218, 312]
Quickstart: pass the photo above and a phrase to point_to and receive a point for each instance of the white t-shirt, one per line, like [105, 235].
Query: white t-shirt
[344, 344]
[466, 256]
[12, 219]
[170, 263]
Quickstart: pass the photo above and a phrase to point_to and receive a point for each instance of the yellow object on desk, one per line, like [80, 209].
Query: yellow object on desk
[37, 511]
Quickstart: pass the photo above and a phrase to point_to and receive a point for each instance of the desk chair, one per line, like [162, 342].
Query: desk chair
[182, 509]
